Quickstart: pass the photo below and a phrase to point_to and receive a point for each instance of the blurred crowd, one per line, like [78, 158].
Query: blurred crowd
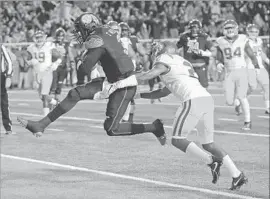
[147, 19]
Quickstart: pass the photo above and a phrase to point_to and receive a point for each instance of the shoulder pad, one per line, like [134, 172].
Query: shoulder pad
[164, 58]
[94, 41]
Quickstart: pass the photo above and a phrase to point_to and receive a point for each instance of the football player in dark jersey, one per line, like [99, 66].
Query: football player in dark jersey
[197, 49]
[62, 70]
[120, 85]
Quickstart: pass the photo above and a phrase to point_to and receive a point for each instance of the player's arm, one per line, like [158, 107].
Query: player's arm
[90, 59]
[251, 55]
[156, 94]
[157, 70]
[265, 58]
[9, 69]
[56, 58]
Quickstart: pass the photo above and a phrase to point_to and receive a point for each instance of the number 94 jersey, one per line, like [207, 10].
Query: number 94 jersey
[180, 79]
[233, 51]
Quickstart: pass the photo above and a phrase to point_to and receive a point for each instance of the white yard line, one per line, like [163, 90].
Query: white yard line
[228, 119]
[101, 120]
[127, 177]
[137, 102]
[264, 116]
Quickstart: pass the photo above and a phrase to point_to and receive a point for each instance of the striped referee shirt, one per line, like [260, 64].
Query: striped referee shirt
[6, 63]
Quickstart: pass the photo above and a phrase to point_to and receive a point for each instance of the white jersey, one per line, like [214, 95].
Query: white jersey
[126, 43]
[233, 52]
[181, 79]
[43, 55]
[257, 49]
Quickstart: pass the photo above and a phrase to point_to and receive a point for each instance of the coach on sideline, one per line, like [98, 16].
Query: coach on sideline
[6, 72]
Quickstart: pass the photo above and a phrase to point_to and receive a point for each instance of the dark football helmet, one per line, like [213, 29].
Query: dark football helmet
[60, 34]
[125, 29]
[85, 24]
[195, 27]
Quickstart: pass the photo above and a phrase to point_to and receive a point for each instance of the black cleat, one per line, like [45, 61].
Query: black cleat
[238, 110]
[247, 126]
[160, 132]
[267, 112]
[215, 169]
[239, 181]
[32, 126]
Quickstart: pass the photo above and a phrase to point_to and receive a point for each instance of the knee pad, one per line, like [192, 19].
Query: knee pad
[74, 95]
[45, 100]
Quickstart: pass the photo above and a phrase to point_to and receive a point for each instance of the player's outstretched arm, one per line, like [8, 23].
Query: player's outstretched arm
[156, 94]
[251, 55]
[157, 70]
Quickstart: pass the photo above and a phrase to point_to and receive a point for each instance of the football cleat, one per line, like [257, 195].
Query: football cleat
[32, 126]
[160, 132]
[10, 133]
[238, 110]
[239, 181]
[215, 169]
[267, 111]
[247, 126]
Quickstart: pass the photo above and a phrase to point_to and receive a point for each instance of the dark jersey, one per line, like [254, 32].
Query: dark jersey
[189, 44]
[134, 40]
[63, 50]
[102, 45]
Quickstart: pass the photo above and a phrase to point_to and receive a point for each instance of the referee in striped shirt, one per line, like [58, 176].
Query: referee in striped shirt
[6, 72]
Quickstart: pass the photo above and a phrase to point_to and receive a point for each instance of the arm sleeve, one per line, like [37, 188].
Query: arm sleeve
[156, 94]
[90, 59]
[251, 55]
[181, 42]
[7, 58]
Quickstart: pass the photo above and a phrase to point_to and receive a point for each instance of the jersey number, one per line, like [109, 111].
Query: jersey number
[40, 56]
[191, 71]
[229, 54]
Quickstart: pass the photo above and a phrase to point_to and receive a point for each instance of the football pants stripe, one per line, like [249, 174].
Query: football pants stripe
[185, 117]
[175, 127]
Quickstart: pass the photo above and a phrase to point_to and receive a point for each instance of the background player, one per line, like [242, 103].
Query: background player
[261, 78]
[231, 50]
[102, 45]
[180, 79]
[197, 49]
[60, 74]
[40, 56]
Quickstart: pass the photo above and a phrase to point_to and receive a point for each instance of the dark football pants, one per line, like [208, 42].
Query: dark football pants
[4, 104]
[80, 77]
[59, 76]
[202, 72]
[116, 106]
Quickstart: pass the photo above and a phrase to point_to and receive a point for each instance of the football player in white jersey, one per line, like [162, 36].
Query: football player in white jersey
[231, 51]
[40, 57]
[262, 77]
[181, 80]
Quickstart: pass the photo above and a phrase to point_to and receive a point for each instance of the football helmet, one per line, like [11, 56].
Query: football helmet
[60, 34]
[85, 24]
[252, 31]
[125, 29]
[159, 48]
[230, 29]
[195, 27]
[39, 38]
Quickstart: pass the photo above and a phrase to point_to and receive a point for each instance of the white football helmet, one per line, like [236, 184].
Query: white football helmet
[252, 31]
[39, 38]
[230, 29]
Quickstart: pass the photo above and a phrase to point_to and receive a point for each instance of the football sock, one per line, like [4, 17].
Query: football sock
[66, 105]
[131, 129]
[194, 150]
[131, 114]
[266, 104]
[46, 110]
[227, 161]
[246, 109]
[236, 102]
